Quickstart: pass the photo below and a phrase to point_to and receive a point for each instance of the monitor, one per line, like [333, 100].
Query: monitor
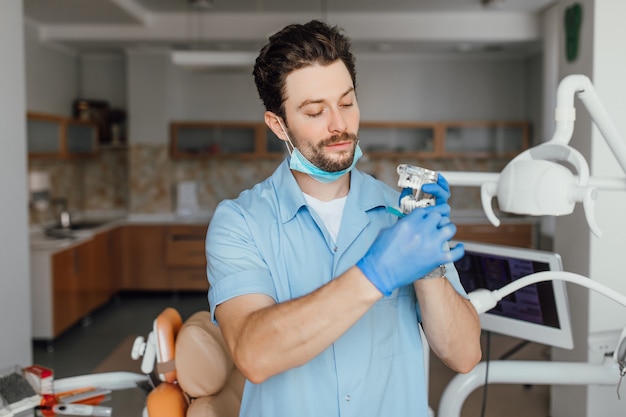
[537, 312]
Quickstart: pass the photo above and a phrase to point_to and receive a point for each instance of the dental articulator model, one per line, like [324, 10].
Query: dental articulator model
[414, 177]
[537, 182]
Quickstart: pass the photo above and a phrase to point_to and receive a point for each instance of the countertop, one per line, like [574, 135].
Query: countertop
[39, 241]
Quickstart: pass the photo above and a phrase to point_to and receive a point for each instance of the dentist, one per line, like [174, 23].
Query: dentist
[321, 293]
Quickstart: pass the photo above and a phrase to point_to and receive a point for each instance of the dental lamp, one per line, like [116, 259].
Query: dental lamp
[538, 182]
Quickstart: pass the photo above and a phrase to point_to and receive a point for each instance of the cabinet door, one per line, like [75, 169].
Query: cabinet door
[382, 139]
[199, 139]
[81, 137]
[44, 135]
[66, 290]
[105, 268]
[274, 146]
[145, 248]
[501, 139]
[87, 284]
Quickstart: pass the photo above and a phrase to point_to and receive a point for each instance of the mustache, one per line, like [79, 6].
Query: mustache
[343, 137]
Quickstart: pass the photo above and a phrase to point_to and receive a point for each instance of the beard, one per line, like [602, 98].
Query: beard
[330, 163]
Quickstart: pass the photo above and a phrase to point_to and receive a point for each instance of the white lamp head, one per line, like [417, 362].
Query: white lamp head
[537, 183]
[536, 187]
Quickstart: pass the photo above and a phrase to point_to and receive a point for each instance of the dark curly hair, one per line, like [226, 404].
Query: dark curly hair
[294, 47]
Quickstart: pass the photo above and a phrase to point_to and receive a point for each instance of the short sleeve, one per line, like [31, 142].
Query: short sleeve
[234, 264]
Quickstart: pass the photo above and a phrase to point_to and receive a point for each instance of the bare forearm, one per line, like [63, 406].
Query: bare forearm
[451, 324]
[278, 337]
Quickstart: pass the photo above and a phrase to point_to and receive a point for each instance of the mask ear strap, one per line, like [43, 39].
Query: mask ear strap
[287, 136]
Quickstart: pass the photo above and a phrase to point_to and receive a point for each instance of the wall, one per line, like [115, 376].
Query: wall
[15, 327]
[603, 60]
[52, 75]
[411, 88]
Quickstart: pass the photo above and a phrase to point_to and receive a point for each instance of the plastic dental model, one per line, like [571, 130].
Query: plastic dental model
[414, 177]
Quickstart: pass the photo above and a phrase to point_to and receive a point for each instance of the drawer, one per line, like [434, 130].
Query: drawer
[188, 279]
[184, 246]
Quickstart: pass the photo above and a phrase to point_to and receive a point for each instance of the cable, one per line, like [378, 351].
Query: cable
[486, 384]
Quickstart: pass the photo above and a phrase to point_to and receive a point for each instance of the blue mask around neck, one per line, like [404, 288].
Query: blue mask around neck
[299, 163]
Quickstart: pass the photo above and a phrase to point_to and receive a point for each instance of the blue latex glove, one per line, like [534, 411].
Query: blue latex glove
[410, 249]
[440, 190]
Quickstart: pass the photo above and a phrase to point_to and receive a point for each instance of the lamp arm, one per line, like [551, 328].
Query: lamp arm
[565, 114]
[497, 295]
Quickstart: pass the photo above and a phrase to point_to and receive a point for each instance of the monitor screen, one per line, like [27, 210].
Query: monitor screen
[537, 312]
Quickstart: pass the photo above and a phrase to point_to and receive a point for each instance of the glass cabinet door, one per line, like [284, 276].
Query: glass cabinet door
[274, 145]
[206, 139]
[44, 135]
[82, 137]
[397, 139]
[494, 138]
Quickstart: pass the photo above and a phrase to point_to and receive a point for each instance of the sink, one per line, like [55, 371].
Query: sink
[82, 225]
[60, 232]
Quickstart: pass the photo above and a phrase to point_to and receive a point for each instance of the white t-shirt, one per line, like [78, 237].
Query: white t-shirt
[330, 212]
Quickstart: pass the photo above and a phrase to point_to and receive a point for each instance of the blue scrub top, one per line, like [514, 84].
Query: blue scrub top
[267, 241]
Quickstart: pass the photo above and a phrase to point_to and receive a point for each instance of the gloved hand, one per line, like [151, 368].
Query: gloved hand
[410, 249]
[440, 190]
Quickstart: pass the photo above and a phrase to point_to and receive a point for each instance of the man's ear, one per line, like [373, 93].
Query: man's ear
[272, 121]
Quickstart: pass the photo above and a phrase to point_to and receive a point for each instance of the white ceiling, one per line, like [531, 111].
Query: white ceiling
[403, 26]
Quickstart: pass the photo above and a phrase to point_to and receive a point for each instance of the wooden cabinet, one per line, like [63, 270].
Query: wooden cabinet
[519, 234]
[68, 270]
[390, 139]
[70, 284]
[223, 140]
[473, 139]
[82, 280]
[164, 257]
[105, 267]
[144, 250]
[485, 139]
[51, 136]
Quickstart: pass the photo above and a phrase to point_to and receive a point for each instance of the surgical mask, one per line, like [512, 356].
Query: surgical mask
[299, 163]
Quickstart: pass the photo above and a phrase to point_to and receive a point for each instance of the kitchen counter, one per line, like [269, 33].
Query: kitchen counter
[39, 241]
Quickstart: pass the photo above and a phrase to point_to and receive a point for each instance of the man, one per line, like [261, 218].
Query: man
[318, 290]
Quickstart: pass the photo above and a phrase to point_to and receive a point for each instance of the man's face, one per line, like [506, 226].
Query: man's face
[323, 114]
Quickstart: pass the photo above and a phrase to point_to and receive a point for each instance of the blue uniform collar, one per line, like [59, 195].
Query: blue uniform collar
[363, 190]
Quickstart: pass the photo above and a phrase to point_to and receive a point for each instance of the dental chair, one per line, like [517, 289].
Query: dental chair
[191, 368]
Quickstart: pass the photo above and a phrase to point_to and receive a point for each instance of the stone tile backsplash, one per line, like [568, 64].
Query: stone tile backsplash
[141, 179]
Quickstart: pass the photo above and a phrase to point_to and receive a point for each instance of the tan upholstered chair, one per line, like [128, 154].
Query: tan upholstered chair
[198, 374]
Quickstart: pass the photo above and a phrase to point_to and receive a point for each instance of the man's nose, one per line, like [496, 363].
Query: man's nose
[337, 121]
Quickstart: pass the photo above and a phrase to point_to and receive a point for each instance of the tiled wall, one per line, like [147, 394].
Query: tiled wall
[153, 176]
[95, 184]
[142, 179]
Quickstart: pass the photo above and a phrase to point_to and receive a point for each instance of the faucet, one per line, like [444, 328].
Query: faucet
[64, 216]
